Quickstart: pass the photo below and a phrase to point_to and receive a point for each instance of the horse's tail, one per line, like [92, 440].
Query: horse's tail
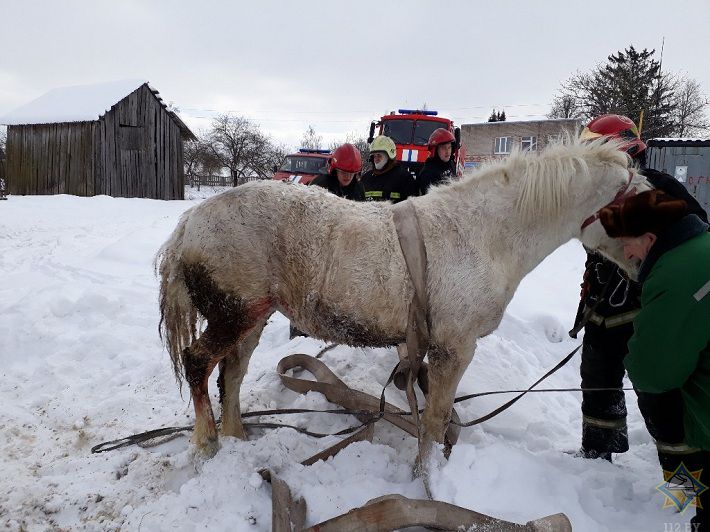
[178, 316]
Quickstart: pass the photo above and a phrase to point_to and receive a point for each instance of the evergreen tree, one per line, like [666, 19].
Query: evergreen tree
[493, 117]
[501, 116]
[628, 83]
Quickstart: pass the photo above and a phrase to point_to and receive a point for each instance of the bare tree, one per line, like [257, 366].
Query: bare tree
[689, 109]
[311, 140]
[3, 138]
[200, 159]
[241, 147]
[565, 106]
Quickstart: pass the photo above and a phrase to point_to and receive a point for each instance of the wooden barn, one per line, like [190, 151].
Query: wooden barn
[116, 138]
[2, 164]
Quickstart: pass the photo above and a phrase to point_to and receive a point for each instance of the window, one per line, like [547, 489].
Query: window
[304, 165]
[528, 143]
[423, 130]
[400, 131]
[502, 145]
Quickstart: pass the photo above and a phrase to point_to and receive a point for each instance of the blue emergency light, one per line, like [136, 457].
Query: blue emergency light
[416, 112]
[309, 150]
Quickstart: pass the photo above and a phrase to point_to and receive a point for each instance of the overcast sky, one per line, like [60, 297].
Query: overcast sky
[338, 65]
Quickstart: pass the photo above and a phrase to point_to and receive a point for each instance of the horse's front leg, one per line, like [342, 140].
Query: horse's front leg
[446, 367]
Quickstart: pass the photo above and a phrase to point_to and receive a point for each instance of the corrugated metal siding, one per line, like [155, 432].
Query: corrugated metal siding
[696, 157]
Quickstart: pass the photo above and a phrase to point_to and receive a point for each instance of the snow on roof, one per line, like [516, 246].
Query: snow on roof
[80, 103]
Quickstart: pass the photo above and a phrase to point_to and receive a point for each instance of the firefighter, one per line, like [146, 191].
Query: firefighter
[440, 164]
[669, 351]
[388, 180]
[341, 180]
[615, 301]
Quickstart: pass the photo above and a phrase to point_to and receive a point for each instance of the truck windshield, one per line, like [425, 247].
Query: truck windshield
[304, 165]
[400, 131]
[423, 129]
[410, 131]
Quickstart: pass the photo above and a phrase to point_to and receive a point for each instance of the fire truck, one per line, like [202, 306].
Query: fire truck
[303, 166]
[410, 130]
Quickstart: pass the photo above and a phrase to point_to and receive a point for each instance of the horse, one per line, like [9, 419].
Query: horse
[335, 268]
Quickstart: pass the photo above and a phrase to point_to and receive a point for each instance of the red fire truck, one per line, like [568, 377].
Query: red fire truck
[304, 166]
[410, 130]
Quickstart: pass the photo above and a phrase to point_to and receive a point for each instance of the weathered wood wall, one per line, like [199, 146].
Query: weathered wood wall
[134, 150]
[50, 159]
[2, 164]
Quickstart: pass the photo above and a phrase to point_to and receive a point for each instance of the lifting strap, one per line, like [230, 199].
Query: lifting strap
[411, 241]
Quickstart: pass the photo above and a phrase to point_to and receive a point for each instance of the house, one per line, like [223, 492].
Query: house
[116, 138]
[494, 140]
[688, 160]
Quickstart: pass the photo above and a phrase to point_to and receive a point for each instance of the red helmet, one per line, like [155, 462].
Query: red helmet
[346, 158]
[440, 136]
[616, 127]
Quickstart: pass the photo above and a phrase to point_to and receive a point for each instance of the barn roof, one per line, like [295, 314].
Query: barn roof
[80, 103]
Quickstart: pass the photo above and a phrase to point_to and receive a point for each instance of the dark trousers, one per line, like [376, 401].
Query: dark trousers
[603, 412]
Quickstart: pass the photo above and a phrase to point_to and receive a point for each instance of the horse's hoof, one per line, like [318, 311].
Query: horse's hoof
[240, 435]
[235, 432]
[207, 448]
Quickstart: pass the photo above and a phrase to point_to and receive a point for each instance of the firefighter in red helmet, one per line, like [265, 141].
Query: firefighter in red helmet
[440, 164]
[616, 127]
[342, 180]
[611, 301]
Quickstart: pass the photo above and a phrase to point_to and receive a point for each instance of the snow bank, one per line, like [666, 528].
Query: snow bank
[82, 363]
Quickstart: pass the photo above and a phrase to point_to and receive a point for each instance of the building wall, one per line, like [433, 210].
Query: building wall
[480, 139]
[2, 164]
[689, 164]
[141, 151]
[51, 159]
[134, 150]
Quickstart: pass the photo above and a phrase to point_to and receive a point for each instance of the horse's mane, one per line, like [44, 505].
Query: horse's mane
[543, 179]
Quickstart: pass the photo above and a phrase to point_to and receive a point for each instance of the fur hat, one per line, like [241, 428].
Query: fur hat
[652, 211]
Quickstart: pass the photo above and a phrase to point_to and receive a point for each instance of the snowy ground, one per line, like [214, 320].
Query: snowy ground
[81, 363]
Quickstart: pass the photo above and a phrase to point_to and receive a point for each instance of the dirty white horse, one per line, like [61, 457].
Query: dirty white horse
[335, 268]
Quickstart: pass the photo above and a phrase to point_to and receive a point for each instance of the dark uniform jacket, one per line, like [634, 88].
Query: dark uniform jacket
[354, 191]
[434, 172]
[393, 183]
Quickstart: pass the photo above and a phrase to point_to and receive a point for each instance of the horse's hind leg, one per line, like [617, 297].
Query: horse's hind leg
[199, 360]
[231, 374]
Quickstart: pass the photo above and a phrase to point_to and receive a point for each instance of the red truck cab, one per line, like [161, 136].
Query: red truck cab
[303, 166]
[410, 131]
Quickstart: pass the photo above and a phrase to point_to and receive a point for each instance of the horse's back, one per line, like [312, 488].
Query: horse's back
[309, 250]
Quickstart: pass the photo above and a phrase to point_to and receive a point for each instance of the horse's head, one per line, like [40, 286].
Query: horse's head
[594, 236]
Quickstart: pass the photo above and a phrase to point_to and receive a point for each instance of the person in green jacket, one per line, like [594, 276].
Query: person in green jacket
[670, 347]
